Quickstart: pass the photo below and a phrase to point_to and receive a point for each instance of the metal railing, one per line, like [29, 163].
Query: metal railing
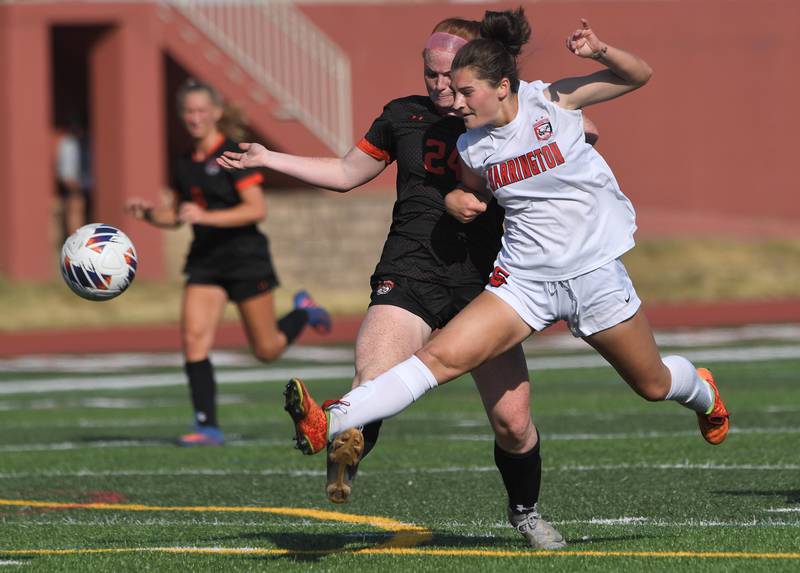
[290, 57]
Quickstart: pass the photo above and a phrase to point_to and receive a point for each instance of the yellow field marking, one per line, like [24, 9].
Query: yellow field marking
[404, 534]
[402, 542]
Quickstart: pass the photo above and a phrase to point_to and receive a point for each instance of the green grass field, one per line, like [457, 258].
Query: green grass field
[631, 485]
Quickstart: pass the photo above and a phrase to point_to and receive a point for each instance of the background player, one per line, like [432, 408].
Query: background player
[229, 257]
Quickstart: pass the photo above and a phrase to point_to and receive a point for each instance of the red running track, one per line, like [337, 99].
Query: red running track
[166, 338]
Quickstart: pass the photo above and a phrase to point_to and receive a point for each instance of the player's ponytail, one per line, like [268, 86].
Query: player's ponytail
[494, 55]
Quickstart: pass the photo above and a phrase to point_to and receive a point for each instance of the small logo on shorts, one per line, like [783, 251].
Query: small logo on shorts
[384, 287]
[543, 129]
[498, 277]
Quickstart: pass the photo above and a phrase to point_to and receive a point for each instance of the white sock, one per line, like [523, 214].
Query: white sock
[383, 397]
[688, 388]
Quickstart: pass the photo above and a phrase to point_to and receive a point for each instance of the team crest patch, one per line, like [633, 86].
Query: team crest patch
[212, 168]
[498, 277]
[543, 129]
[384, 287]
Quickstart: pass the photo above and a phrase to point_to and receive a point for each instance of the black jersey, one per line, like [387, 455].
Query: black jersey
[235, 252]
[424, 242]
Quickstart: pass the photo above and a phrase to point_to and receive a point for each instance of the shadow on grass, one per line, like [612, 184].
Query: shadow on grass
[610, 538]
[303, 547]
[133, 440]
[791, 495]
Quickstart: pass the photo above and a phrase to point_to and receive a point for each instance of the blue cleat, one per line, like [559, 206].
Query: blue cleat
[202, 436]
[318, 317]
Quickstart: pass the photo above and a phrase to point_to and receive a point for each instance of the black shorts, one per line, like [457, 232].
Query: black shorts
[435, 304]
[238, 290]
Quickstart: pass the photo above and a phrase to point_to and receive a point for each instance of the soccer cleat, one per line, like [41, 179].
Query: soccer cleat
[539, 533]
[713, 425]
[202, 436]
[310, 421]
[344, 453]
[318, 317]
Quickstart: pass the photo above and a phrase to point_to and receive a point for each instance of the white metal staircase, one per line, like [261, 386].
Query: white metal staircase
[289, 56]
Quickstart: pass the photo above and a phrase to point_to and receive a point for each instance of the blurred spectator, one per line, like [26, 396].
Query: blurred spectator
[73, 174]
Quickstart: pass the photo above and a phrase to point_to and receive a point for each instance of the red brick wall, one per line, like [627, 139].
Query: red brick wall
[712, 132]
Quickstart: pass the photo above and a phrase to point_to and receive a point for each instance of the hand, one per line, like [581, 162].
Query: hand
[584, 43]
[463, 206]
[191, 213]
[138, 207]
[254, 155]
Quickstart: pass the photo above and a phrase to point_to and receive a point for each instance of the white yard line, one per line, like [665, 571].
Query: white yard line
[121, 362]
[213, 472]
[451, 437]
[245, 376]
[332, 371]
[625, 435]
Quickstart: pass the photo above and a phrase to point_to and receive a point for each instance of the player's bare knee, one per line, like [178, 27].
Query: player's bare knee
[513, 434]
[653, 389]
[443, 362]
[195, 344]
[268, 351]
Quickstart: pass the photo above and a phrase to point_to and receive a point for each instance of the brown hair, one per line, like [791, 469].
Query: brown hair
[493, 56]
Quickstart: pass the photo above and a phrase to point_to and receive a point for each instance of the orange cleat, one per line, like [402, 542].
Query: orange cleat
[714, 425]
[310, 420]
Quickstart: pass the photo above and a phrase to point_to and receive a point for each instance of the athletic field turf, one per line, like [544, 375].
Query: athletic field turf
[90, 478]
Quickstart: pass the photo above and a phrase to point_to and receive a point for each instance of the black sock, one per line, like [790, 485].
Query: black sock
[370, 432]
[522, 476]
[203, 389]
[292, 324]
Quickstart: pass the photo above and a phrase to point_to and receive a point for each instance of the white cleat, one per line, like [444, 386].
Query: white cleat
[539, 533]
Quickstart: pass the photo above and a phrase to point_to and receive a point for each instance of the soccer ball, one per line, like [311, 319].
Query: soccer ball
[98, 262]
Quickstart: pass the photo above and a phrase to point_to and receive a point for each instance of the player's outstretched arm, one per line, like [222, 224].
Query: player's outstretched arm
[163, 216]
[335, 173]
[625, 72]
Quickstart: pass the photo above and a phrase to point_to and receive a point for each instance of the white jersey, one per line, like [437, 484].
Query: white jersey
[565, 213]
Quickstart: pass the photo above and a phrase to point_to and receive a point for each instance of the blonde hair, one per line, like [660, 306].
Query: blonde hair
[233, 121]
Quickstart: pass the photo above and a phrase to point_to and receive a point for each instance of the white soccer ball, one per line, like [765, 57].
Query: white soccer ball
[98, 262]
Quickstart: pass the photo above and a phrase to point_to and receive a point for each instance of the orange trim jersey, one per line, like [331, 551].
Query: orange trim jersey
[424, 242]
[234, 252]
[373, 151]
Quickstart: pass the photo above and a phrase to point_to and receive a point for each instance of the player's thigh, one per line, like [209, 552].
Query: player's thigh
[631, 349]
[388, 335]
[201, 312]
[258, 318]
[485, 328]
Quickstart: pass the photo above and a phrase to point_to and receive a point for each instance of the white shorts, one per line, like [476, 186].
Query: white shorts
[592, 302]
